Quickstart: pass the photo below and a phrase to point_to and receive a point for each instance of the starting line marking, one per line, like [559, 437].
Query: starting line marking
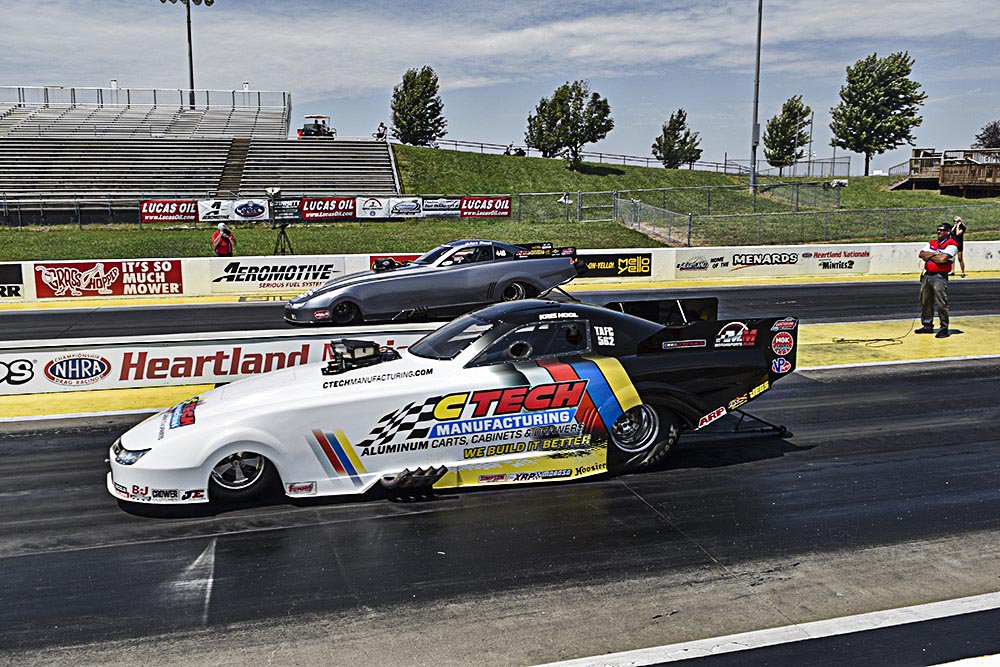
[792, 633]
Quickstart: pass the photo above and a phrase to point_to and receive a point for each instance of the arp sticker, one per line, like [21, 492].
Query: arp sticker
[711, 417]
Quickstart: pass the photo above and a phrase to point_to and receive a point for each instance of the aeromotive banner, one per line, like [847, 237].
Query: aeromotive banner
[485, 207]
[297, 273]
[107, 365]
[140, 277]
[169, 210]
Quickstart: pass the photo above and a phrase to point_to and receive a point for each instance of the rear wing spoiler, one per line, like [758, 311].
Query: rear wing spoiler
[530, 250]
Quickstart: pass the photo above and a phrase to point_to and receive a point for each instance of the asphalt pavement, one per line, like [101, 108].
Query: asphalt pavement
[885, 496]
[836, 302]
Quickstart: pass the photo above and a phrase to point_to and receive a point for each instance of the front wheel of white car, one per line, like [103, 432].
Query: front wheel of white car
[240, 477]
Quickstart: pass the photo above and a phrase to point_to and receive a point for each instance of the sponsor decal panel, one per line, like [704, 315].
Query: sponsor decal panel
[329, 208]
[738, 401]
[780, 365]
[78, 369]
[168, 210]
[772, 261]
[787, 324]
[11, 282]
[215, 210]
[108, 278]
[270, 274]
[782, 343]
[194, 494]
[249, 210]
[712, 416]
[736, 334]
[760, 389]
[742, 260]
[184, 413]
[683, 344]
[485, 207]
[605, 336]
[699, 263]
[302, 489]
[616, 265]
[287, 209]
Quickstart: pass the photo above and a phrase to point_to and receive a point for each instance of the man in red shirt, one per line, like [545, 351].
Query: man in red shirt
[223, 241]
[938, 256]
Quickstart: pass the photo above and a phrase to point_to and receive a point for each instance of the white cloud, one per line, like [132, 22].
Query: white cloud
[322, 50]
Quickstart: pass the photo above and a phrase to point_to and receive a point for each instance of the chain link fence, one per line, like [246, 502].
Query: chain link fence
[886, 224]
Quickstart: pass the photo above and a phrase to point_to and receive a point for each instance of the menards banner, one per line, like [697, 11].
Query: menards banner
[110, 365]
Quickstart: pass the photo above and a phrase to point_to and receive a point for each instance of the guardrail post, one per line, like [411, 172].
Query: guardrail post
[579, 206]
[690, 223]
[614, 205]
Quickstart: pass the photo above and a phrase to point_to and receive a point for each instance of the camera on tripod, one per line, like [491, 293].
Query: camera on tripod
[282, 244]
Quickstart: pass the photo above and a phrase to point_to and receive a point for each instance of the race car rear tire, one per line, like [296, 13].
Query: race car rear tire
[641, 438]
[240, 477]
[516, 291]
[345, 312]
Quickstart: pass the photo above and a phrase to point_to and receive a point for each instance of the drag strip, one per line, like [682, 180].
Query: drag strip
[885, 496]
[838, 302]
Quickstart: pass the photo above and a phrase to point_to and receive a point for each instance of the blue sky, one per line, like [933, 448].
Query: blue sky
[496, 59]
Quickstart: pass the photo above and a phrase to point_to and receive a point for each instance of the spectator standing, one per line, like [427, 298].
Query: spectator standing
[938, 257]
[380, 132]
[223, 241]
[509, 150]
[958, 233]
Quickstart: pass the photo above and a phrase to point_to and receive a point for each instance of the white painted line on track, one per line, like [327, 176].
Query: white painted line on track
[793, 633]
[81, 415]
[897, 363]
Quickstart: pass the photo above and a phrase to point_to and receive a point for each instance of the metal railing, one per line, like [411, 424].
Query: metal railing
[66, 96]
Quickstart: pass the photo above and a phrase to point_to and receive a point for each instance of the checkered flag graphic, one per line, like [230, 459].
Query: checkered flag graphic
[412, 421]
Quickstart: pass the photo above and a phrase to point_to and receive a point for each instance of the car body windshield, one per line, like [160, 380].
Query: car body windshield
[448, 341]
[432, 256]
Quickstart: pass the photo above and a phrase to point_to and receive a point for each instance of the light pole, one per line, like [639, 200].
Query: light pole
[755, 130]
[187, 4]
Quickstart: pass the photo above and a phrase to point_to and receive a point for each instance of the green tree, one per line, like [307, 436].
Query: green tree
[989, 136]
[417, 109]
[677, 144]
[572, 118]
[878, 106]
[785, 135]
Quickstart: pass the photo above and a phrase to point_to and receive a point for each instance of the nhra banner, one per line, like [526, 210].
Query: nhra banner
[111, 364]
[328, 208]
[168, 210]
[769, 261]
[108, 278]
[485, 207]
[294, 274]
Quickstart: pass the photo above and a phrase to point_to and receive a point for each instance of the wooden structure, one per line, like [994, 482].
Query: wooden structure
[973, 171]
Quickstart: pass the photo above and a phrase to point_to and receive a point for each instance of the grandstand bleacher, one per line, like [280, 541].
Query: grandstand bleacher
[56, 147]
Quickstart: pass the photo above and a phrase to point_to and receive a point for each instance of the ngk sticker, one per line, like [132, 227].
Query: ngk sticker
[782, 343]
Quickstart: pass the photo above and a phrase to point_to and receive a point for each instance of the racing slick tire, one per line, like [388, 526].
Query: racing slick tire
[516, 291]
[344, 313]
[641, 438]
[240, 477]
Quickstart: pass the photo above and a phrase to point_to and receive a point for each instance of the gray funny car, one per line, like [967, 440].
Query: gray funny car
[446, 281]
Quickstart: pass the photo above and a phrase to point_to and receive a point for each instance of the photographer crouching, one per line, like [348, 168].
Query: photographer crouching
[938, 256]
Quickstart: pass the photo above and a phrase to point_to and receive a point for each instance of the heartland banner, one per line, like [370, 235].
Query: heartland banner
[114, 365]
[108, 278]
[169, 210]
[766, 261]
[328, 208]
[485, 207]
[298, 273]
